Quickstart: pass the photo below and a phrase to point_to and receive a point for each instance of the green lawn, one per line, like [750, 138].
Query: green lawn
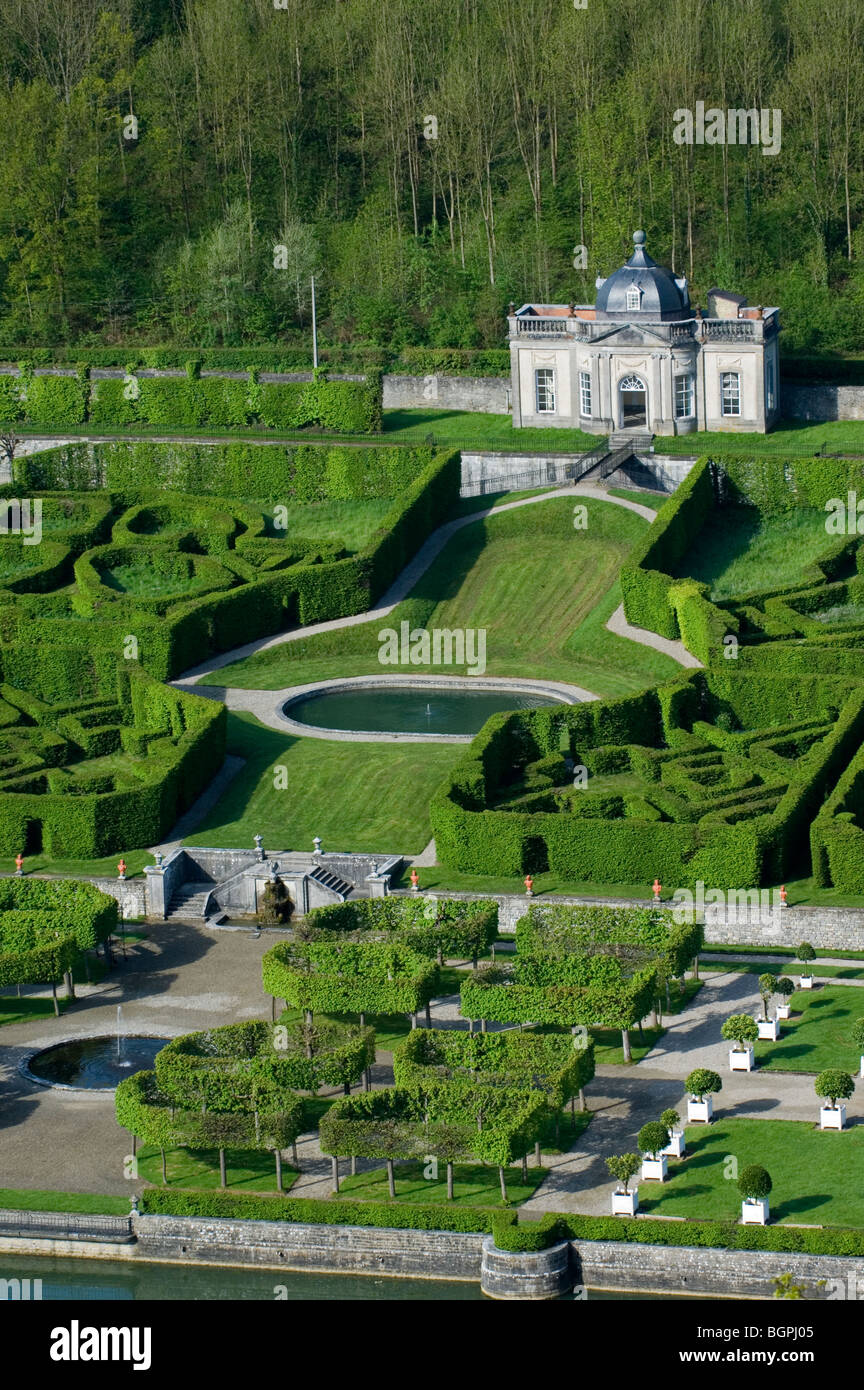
[470, 428]
[541, 589]
[739, 551]
[790, 437]
[810, 1171]
[390, 1029]
[34, 1199]
[839, 972]
[818, 1033]
[355, 796]
[27, 1010]
[250, 1170]
[473, 1185]
[645, 499]
[107, 867]
[350, 523]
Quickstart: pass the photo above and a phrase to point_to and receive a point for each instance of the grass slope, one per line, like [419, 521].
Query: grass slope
[739, 551]
[541, 589]
[356, 796]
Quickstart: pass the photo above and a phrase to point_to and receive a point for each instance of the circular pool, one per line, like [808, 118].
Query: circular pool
[409, 709]
[93, 1064]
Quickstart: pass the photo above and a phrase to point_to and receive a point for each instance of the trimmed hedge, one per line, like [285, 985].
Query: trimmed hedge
[155, 1118]
[646, 576]
[443, 1057]
[433, 927]
[376, 977]
[399, 1216]
[45, 925]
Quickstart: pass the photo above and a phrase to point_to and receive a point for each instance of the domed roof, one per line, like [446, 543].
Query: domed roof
[663, 295]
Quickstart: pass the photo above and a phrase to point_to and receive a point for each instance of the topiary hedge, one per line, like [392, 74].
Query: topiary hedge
[433, 927]
[553, 1063]
[45, 925]
[376, 977]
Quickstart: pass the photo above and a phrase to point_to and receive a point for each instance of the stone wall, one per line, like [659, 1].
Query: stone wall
[734, 1273]
[489, 394]
[832, 928]
[822, 401]
[327, 1249]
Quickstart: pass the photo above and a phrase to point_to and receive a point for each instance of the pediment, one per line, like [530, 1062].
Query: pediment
[632, 335]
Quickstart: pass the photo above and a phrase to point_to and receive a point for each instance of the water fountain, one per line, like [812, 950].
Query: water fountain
[120, 1059]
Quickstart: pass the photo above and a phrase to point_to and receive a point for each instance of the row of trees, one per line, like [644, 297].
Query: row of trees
[429, 162]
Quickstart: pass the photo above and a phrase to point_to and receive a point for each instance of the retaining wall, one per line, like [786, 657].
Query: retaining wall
[489, 394]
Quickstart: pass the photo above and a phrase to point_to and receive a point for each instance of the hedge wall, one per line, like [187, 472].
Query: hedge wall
[434, 927]
[646, 575]
[331, 976]
[547, 1061]
[44, 926]
[194, 402]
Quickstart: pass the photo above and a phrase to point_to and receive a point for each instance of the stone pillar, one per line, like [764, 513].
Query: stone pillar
[154, 890]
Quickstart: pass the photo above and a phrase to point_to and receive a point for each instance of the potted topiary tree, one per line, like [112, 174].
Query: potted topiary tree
[858, 1040]
[652, 1140]
[743, 1031]
[785, 988]
[767, 1027]
[623, 1167]
[833, 1085]
[672, 1120]
[701, 1084]
[754, 1184]
[805, 953]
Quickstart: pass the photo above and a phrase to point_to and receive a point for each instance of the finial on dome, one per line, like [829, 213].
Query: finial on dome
[639, 238]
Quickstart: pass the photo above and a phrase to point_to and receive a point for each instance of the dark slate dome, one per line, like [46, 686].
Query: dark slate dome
[663, 295]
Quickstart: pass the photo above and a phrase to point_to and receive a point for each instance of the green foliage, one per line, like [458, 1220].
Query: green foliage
[785, 987]
[653, 1137]
[623, 1167]
[251, 1207]
[703, 1082]
[834, 1085]
[754, 1182]
[857, 1033]
[333, 976]
[671, 1119]
[44, 926]
[433, 927]
[512, 1058]
[805, 952]
[740, 1029]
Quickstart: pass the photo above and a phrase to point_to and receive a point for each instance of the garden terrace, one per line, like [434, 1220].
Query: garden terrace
[714, 777]
[358, 977]
[552, 1063]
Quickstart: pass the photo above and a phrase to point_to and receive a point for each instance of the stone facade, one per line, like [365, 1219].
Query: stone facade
[642, 358]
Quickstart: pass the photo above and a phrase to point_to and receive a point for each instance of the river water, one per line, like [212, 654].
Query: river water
[115, 1280]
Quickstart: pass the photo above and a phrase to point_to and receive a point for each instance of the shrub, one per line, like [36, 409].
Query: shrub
[767, 988]
[805, 952]
[702, 1082]
[623, 1167]
[740, 1029]
[671, 1119]
[653, 1137]
[834, 1085]
[754, 1182]
[858, 1033]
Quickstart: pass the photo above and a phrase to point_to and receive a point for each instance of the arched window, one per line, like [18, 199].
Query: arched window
[631, 383]
[634, 297]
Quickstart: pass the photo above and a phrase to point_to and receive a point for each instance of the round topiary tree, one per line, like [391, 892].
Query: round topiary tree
[671, 1119]
[741, 1030]
[834, 1085]
[623, 1167]
[702, 1082]
[785, 987]
[754, 1183]
[653, 1137]
[767, 988]
[805, 952]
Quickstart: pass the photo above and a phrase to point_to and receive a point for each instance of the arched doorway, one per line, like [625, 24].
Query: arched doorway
[633, 396]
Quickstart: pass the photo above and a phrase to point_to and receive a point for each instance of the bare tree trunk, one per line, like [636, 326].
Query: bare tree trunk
[391, 1185]
[223, 1176]
[625, 1043]
[503, 1183]
[334, 1169]
[278, 1170]
[449, 1182]
[164, 1170]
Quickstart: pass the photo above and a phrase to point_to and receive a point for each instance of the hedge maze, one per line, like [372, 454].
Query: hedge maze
[737, 775]
[128, 588]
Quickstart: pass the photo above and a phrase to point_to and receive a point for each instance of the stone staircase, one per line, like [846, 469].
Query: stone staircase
[637, 441]
[188, 902]
[328, 879]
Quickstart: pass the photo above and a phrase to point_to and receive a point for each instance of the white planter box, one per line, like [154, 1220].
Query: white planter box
[832, 1119]
[625, 1203]
[675, 1147]
[768, 1030]
[655, 1169]
[784, 1010]
[754, 1211]
[741, 1061]
[700, 1111]
[805, 981]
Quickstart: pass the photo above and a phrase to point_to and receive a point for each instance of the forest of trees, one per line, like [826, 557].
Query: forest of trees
[428, 160]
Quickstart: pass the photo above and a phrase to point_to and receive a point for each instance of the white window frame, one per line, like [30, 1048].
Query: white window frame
[730, 393]
[585, 394]
[770, 398]
[634, 298]
[684, 382]
[548, 387]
